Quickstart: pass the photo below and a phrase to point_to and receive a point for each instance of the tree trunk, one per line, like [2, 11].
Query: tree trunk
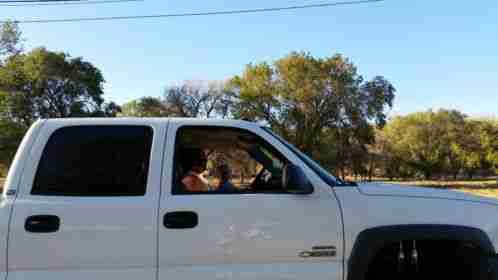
[427, 174]
[371, 167]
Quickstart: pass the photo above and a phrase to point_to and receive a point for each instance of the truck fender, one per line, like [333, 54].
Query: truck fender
[370, 241]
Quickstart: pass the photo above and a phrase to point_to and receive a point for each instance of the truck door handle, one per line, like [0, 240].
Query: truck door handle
[42, 224]
[181, 220]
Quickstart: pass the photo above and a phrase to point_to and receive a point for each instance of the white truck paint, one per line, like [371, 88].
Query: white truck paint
[239, 236]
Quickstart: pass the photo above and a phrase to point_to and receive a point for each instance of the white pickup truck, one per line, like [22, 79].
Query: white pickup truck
[106, 199]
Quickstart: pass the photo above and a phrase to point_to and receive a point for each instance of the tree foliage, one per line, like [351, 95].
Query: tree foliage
[444, 144]
[10, 137]
[316, 103]
[192, 99]
[144, 107]
[321, 105]
[10, 39]
[45, 84]
[197, 100]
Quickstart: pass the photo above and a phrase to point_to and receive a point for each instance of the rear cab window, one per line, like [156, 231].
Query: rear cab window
[95, 160]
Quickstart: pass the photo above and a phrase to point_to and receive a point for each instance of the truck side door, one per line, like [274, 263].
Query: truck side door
[88, 201]
[258, 232]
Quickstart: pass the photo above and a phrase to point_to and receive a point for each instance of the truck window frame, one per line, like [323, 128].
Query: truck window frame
[328, 178]
[175, 188]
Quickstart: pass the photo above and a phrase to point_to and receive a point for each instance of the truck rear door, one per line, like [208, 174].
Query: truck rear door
[88, 201]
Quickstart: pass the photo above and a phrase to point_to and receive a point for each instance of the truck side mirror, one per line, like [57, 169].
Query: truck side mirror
[295, 181]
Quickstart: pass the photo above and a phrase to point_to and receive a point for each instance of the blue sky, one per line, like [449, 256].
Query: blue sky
[437, 53]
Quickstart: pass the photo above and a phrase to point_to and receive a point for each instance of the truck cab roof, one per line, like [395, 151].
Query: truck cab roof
[186, 121]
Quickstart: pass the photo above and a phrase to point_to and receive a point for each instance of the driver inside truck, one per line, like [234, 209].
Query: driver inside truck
[193, 161]
[224, 174]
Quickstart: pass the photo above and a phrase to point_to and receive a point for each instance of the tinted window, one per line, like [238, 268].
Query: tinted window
[95, 161]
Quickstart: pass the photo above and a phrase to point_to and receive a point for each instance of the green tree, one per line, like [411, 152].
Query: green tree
[391, 150]
[490, 142]
[444, 143]
[197, 99]
[10, 137]
[192, 99]
[10, 133]
[477, 148]
[10, 39]
[45, 84]
[414, 140]
[315, 103]
[109, 109]
[144, 107]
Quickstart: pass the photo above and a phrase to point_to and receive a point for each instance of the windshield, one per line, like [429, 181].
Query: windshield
[317, 168]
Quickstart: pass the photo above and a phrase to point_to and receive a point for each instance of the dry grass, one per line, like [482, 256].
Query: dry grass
[493, 193]
[481, 187]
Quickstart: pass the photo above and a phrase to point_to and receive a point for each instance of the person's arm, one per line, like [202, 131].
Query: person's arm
[204, 180]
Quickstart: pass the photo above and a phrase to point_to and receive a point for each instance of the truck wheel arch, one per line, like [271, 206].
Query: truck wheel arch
[370, 241]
